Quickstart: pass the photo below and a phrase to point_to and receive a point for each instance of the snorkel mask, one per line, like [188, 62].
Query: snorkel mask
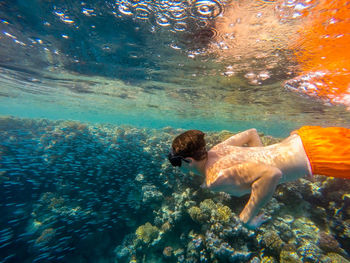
[176, 160]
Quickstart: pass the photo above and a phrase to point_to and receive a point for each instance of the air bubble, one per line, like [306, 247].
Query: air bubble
[125, 10]
[180, 26]
[206, 9]
[174, 46]
[177, 13]
[162, 20]
[142, 12]
[174, 13]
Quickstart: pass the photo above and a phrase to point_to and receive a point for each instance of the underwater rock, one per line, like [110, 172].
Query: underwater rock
[283, 226]
[273, 207]
[175, 208]
[345, 208]
[328, 243]
[289, 257]
[272, 242]
[335, 258]
[319, 215]
[125, 251]
[254, 260]
[165, 227]
[168, 252]
[305, 230]
[267, 259]
[289, 193]
[223, 251]
[197, 215]
[310, 252]
[140, 178]
[151, 195]
[180, 254]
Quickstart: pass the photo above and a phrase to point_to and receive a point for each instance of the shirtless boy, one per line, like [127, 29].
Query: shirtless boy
[255, 169]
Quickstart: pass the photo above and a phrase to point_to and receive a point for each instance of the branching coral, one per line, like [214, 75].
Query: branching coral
[147, 232]
[196, 214]
[224, 213]
[208, 210]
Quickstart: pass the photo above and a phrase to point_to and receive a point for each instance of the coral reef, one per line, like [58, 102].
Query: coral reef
[75, 192]
[146, 233]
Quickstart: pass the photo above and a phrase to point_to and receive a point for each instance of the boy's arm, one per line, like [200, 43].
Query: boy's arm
[249, 137]
[262, 190]
[262, 179]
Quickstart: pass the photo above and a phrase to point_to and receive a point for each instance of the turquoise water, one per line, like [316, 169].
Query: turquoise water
[92, 94]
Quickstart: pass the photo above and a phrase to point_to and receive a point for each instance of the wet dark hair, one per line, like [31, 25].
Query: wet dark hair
[190, 144]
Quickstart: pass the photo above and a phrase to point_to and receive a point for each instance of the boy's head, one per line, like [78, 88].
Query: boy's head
[188, 144]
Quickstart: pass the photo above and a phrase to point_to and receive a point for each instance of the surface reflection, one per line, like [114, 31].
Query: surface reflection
[170, 60]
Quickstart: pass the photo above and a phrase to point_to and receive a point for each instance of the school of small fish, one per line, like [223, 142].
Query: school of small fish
[65, 182]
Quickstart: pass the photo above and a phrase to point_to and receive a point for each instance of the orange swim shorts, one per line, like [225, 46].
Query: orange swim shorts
[328, 150]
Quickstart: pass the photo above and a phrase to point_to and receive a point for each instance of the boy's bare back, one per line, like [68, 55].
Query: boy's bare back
[239, 170]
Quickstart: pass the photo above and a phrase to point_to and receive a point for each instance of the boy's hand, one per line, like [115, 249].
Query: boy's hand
[257, 221]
